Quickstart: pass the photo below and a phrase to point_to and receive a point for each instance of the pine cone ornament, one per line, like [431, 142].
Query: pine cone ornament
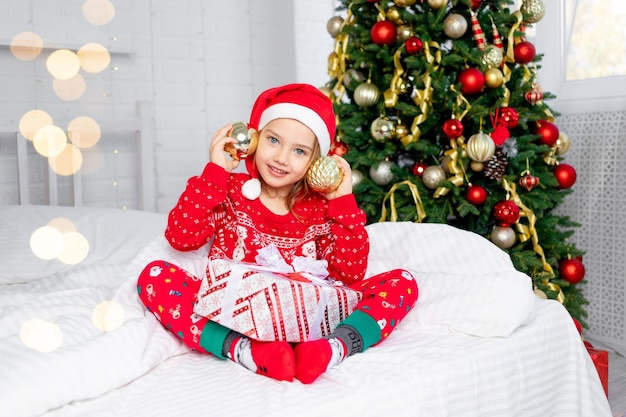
[495, 167]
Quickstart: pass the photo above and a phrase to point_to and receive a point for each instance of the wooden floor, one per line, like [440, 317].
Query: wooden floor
[617, 383]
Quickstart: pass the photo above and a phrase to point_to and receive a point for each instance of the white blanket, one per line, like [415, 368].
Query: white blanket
[478, 342]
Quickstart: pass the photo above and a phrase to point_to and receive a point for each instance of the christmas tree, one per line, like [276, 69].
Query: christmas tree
[443, 120]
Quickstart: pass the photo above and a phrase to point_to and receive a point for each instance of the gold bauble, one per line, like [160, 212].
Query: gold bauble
[477, 166]
[562, 143]
[540, 294]
[352, 78]
[324, 176]
[480, 147]
[432, 176]
[532, 10]
[493, 77]
[328, 92]
[503, 236]
[401, 130]
[404, 32]
[393, 15]
[492, 57]
[246, 141]
[437, 4]
[404, 3]
[333, 26]
[455, 25]
[382, 129]
[366, 94]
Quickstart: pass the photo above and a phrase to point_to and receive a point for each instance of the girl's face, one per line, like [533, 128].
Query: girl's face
[284, 153]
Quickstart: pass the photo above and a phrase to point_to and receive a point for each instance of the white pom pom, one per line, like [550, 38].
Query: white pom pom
[251, 189]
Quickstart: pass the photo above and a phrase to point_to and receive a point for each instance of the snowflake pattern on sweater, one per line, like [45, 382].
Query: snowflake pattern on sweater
[212, 207]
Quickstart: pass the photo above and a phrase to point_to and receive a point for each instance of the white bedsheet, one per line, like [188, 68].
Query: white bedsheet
[478, 342]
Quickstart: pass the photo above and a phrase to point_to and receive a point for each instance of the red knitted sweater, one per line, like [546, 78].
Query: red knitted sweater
[213, 207]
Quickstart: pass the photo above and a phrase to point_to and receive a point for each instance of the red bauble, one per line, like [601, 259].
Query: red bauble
[506, 213]
[579, 326]
[472, 81]
[548, 131]
[524, 52]
[572, 270]
[413, 45]
[508, 117]
[339, 148]
[452, 128]
[418, 168]
[476, 4]
[384, 32]
[476, 195]
[565, 175]
[500, 134]
[528, 181]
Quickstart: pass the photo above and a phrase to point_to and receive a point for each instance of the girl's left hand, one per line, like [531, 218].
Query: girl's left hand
[345, 187]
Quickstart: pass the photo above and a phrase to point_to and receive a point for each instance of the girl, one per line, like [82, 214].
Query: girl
[273, 205]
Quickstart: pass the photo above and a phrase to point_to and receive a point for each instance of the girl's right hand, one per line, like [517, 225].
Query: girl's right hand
[217, 154]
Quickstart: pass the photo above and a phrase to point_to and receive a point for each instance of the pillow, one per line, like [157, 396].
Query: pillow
[114, 237]
[466, 283]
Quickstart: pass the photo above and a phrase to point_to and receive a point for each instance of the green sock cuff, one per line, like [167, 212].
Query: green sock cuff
[367, 327]
[213, 337]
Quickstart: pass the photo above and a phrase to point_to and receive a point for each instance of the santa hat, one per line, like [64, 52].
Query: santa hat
[302, 102]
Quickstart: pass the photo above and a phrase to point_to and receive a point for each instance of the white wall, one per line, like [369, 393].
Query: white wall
[198, 64]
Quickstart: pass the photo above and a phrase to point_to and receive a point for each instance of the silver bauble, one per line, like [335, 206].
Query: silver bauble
[366, 94]
[503, 236]
[245, 141]
[352, 78]
[480, 147]
[432, 176]
[562, 143]
[357, 177]
[334, 25]
[455, 25]
[492, 57]
[382, 129]
[381, 173]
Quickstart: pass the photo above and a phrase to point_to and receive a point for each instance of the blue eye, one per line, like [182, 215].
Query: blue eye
[300, 152]
[272, 139]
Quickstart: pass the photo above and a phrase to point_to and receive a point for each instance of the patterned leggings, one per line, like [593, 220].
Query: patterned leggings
[170, 293]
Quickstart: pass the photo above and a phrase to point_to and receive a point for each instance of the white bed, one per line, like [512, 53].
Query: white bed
[478, 343]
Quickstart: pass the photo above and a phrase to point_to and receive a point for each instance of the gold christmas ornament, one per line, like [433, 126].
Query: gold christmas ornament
[493, 77]
[455, 25]
[357, 177]
[503, 236]
[382, 129]
[477, 166]
[352, 77]
[393, 14]
[562, 143]
[480, 147]
[328, 92]
[437, 4]
[246, 141]
[404, 3]
[492, 57]
[432, 176]
[333, 26]
[401, 130]
[532, 10]
[366, 94]
[404, 32]
[324, 176]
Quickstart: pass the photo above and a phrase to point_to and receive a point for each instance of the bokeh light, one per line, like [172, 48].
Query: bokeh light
[68, 162]
[50, 141]
[41, 335]
[32, 121]
[62, 224]
[107, 316]
[26, 46]
[94, 57]
[75, 250]
[98, 12]
[84, 132]
[46, 243]
[70, 89]
[63, 64]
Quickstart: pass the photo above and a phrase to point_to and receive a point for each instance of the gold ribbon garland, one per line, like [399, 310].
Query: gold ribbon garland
[458, 174]
[337, 60]
[423, 97]
[391, 94]
[419, 206]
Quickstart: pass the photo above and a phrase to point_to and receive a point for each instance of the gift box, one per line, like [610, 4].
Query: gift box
[267, 305]
[600, 359]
